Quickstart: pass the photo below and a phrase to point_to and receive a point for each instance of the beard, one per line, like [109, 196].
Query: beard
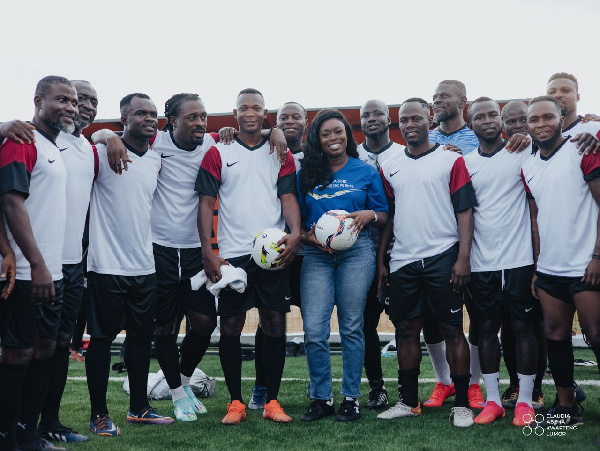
[58, 125]
[548, 143]
[445, 116]
[486, 139]
[80, 124]
[378, 134]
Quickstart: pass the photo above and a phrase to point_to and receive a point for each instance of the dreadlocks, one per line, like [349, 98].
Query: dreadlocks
[173, 105]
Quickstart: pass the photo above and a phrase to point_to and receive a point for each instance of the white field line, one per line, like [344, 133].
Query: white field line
[595, 383]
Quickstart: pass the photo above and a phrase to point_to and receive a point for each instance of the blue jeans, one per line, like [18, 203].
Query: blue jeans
[341, 279]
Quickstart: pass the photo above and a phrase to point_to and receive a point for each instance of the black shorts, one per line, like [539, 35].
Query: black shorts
[72, 297]
[295, 271]
[265, 290]
[121, 302]
[23, 322]
[174, 295]
[510, 289]
[423, 287]
[561, 288]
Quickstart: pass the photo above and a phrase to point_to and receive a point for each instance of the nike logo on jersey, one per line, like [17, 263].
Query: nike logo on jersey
[394, 173]
[527, 310]
[51, 161]
[455, 311]
[473, 174]
[3, 434]
[231, 164]
[287, 298]
[162, 155]
[530, 179]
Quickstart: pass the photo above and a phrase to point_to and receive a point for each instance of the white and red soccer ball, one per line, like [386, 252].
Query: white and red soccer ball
[333, 230]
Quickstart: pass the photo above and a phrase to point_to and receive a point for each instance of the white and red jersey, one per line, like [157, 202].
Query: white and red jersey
[577, 127]
[568, 214]
[37, 171]
[502, 236]
[298, 156]
[248, 182]
[120, 234]
[377, 159]
[174, 213]
[81, 161]
[428, 190]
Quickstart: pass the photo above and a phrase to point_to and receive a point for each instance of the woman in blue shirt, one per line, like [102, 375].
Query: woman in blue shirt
[333, 178]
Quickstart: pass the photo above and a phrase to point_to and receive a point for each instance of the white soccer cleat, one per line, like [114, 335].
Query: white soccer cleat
[400, 410]
[463, 417]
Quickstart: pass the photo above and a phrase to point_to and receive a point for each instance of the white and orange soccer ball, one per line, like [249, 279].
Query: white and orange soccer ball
[332, 230]
[265, 249]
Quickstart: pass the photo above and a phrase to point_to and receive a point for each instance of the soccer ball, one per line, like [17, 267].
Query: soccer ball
[332, 230]
[265, 249]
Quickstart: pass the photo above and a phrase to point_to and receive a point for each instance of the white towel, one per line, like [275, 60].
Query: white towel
[232, 277]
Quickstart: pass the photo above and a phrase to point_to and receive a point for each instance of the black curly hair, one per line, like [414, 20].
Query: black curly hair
[316, 170]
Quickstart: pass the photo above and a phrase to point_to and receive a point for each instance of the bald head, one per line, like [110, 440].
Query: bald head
[514, 118]
[375, 119]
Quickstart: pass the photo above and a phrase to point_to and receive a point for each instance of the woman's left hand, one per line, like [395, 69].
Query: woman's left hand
[360, 219]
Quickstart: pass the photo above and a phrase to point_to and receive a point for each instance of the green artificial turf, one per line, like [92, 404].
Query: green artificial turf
[431, 431]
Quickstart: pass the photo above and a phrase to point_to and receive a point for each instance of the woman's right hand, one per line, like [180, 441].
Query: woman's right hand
[311, 240]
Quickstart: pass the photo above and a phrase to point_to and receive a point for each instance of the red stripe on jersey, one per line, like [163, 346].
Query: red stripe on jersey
[151, 142]
[215, 136]
[96, 162]
[527, 190]
[589, 163]
[459, 176]
[289, 166]
[11, 151]
[212, 163]
[389, 191]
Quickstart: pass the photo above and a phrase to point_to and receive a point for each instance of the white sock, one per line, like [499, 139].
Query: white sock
[526, 382]
[491, 387]
[475, 366]
[178, 393]
[437, 353]
[185, 380]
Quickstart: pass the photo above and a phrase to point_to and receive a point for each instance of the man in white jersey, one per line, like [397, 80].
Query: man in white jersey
[564, 191]
[565, 89]
[514, 120]
[431, 194]
[81, 162]
[375, 124]
[122, 277]
[501, 260]
[449, 101]
[33, 198]
[255, 192]
[292, 121]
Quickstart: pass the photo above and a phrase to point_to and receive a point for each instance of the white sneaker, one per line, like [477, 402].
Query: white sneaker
[463, 417]
[400, 410]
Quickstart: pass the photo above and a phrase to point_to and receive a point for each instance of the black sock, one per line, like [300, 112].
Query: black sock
[33, 394]
[167, 355]
[97, 368]
[461, 386]
[274, 347]
[137, 360]
[193, 348]
[230, 353]
[409, 380]
[400, 389]
[58, 380]
[11, 379]
[259, 366]
[539, 376]
[561, 361]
